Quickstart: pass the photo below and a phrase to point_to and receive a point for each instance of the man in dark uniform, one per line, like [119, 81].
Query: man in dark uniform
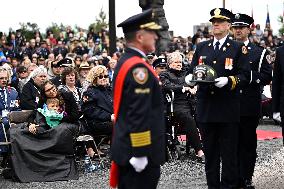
[261, 74]
[160, 65]
[218, 104]
[139, 135]
[278, 88]
[9, 101]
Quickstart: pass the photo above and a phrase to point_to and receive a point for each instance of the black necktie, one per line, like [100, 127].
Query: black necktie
[216, 50]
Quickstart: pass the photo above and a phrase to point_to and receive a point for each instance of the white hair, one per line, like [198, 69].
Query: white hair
[172, 57]
[38, 71]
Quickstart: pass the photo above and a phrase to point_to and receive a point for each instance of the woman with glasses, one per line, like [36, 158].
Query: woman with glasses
[41, 153]
[67, 101]
[97, 104]
[54, 69]
[22, 78]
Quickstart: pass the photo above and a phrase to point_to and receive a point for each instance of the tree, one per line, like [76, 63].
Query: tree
[29, 29]
[56, 29]
[280, 20]
[101, 22]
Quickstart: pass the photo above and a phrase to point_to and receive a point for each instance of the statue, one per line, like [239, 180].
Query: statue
[164, 35]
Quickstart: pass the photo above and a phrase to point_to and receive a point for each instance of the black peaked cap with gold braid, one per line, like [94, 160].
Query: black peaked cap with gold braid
[221, 13]
[144, 20]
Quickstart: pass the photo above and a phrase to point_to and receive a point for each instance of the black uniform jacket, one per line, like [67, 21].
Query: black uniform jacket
[221, 104]
[260, 75]
[140, 129]
[278, 82]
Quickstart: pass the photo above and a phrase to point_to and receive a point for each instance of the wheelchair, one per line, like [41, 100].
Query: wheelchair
[176, 146]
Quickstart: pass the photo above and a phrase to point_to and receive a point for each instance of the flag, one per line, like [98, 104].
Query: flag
[267, 17]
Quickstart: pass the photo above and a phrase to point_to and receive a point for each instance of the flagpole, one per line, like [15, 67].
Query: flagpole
[283, 14]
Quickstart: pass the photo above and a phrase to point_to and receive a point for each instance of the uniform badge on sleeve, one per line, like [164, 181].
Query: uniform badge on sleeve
[140, 75]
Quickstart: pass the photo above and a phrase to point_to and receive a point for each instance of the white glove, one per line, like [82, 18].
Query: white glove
[276, 116]
[139, 163]
[221, 82]
[188, 79]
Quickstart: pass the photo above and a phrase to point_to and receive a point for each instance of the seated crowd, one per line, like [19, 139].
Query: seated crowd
[63, 86]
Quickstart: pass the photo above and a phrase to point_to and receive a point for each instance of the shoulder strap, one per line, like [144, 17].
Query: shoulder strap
[126, 66]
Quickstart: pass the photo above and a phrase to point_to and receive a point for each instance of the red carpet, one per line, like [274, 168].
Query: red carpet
[267, 135]
[261, 135]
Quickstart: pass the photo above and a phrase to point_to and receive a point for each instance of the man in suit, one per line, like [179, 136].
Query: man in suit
[261, 74]
[218, 104]
[139, 135]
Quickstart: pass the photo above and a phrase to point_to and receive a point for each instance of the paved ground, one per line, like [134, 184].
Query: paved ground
[185, 173]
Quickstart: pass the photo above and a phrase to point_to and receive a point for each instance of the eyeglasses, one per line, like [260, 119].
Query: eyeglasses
[51, 89]
[103, 76]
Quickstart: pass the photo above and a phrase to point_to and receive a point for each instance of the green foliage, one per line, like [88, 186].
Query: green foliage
[100, 23]
[56, 29]
[28, 29]
[280, 20]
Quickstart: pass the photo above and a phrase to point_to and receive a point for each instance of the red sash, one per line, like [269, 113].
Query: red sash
[117, 99]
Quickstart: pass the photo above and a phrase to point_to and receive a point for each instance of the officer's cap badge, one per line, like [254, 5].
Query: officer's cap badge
[217, 12]
[237, 16]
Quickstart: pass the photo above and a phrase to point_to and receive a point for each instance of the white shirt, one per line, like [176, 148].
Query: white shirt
[221, 41]
[246, 42]
[138, 50]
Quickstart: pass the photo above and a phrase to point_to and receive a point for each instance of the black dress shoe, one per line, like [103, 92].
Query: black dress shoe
[248, 184]
[201, 159]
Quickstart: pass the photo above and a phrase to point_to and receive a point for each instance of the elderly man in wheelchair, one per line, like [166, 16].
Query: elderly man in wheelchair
[173, 82]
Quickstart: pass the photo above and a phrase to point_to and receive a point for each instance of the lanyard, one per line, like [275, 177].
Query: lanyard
[4, 98]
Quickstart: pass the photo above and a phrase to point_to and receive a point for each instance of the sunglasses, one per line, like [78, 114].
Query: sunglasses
[103, 76]
[55, 66]
[23, 72]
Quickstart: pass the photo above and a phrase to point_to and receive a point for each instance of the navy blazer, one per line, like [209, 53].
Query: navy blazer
[221, 104]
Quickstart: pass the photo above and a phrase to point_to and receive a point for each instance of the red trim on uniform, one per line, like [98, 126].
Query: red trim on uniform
[120, 78]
